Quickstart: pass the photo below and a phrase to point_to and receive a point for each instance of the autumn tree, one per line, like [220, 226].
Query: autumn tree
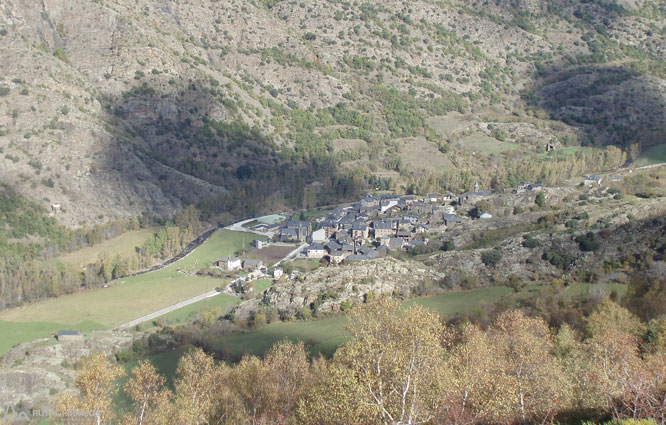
[150, 399]
[96, 384]
[195, 388]
[287, 372]
[478, 382]
[537, 387]
[393, 369]
[609, 315]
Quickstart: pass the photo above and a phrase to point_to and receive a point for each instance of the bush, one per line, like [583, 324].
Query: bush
[60, 54]
[530, 242]
[4, 91]
[587, 242]
[558, 256]
[448, 246]
[540, 200]
[492, 257]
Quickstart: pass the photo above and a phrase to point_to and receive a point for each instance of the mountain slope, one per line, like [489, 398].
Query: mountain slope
[117, 108]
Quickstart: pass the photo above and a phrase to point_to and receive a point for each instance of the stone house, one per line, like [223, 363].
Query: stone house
[384, 229]
[229, 263]
[360, 231]
[67, 335]
[315, 251]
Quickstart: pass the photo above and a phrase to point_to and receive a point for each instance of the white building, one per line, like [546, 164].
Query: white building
[229, 263]
[260, 243]
[392, 203]
[315, 251]
[319, 235]
[277, 273]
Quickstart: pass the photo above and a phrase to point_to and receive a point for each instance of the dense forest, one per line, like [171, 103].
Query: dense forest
[405, 366]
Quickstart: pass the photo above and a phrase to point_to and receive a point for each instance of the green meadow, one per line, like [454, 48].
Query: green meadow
[125, 299]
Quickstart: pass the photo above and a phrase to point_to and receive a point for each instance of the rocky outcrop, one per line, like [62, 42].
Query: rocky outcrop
[325, 289]
[32, 373]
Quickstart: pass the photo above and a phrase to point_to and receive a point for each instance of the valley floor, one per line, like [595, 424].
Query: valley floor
[125, 299]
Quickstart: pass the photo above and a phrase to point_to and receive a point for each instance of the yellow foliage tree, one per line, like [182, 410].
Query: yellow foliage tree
[96, 384]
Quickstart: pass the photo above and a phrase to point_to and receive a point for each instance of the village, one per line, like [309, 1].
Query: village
[375, 226]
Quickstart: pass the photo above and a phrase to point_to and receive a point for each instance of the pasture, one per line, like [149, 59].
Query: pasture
[125, 299]
[413, 151]
[448, 124]
[219, 303]
[323, 336]
[481, 143]
[653, 155]
[121, 244]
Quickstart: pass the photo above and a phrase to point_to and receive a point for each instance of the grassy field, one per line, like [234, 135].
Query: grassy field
[349, 145]
[561, 152]
[312, 214]
[457, 302]
[122, 244]
[262, 284]
[220, 303]
[447, 125]
[321, 336]
[325, 335]
[251, 224]
[124, 300]
[414, 149]
[305, 265]
[580, 290]
[654, 155]
[479, 142]
[12, 333]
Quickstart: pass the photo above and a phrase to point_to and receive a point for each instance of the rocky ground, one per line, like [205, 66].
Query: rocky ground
[335, 285]
[32, 373]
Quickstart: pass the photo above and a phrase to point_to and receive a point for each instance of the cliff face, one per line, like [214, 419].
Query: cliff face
[112, 108]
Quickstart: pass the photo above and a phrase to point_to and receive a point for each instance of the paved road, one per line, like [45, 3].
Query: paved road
[169, 309]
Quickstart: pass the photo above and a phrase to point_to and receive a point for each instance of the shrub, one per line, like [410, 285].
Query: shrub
[530, 242]
[448, 246]
[60, 54]
[492, 257]
[587, 242]
[4, 91]
[558, 256]
[540, 200]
